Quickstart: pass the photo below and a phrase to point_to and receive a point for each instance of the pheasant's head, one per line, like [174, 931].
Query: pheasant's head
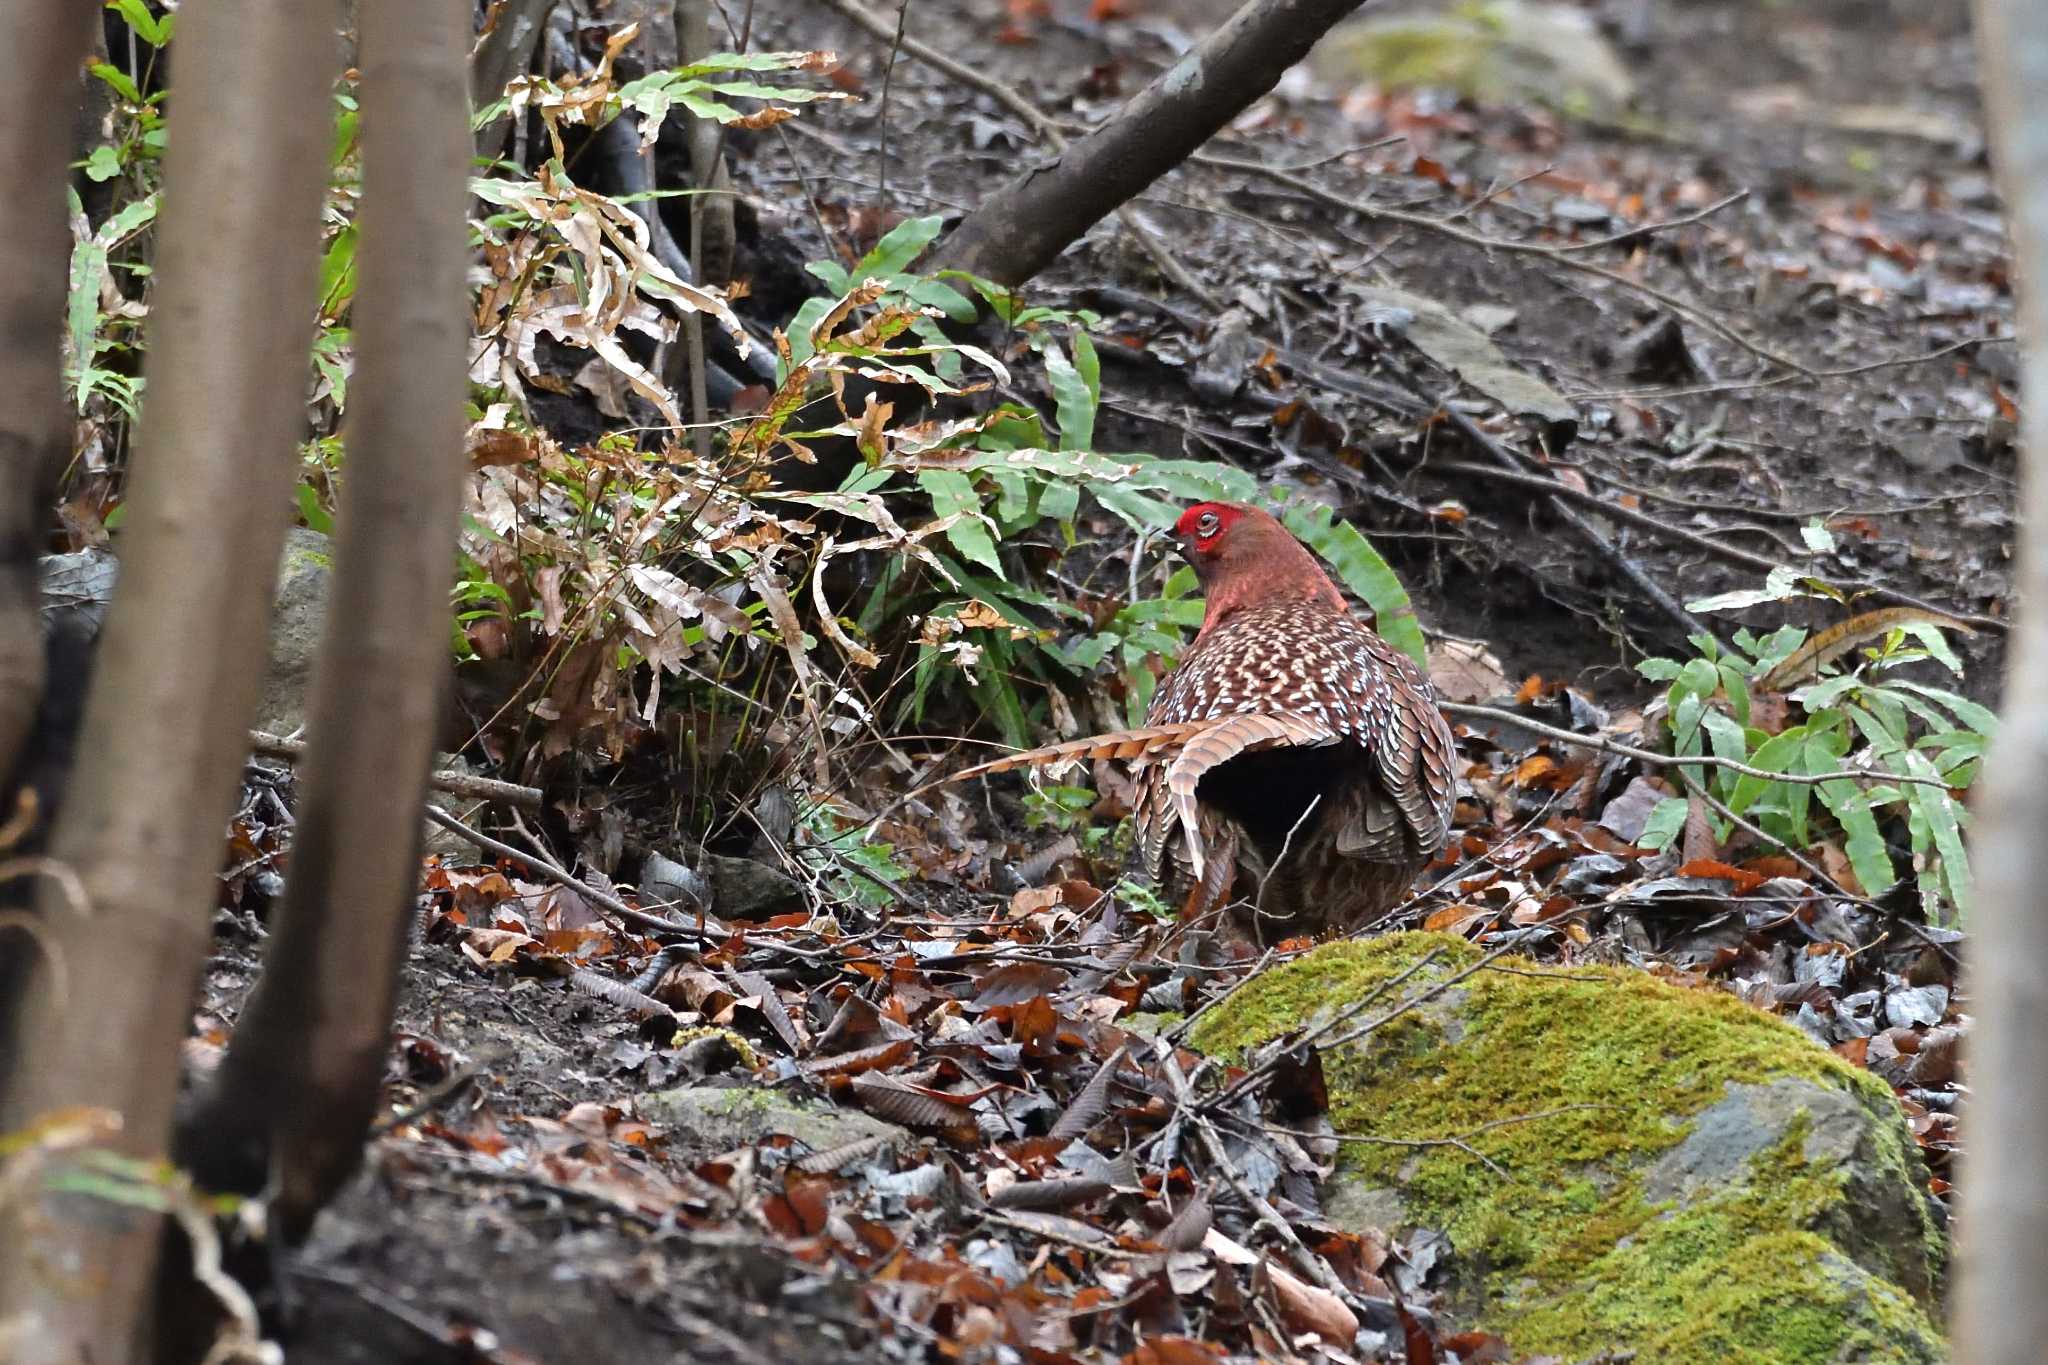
[1245, 558]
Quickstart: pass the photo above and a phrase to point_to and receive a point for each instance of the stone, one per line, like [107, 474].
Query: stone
[720, 1119]
[742, 888]
[305, 575]
[1680, 1176]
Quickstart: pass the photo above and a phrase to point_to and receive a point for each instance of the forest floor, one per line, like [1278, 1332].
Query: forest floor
[534, 1209]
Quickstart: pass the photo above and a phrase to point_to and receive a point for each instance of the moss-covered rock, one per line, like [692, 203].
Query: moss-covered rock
[1619, 1163]
[1496, 51]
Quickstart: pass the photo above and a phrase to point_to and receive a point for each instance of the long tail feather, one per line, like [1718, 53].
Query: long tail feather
[1151, 741]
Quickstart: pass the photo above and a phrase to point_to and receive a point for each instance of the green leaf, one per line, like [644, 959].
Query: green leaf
[1666, 821]
[903, 244]
[1141, 511]
[311, 512]
[1864, 845]
[1775, 754]
[945, 298]
[1074, 401]
[1818, 538]
[117, 80]
[1944, 822]
[1698, 678]
[1825, 694]
[808, 315]
[102, 164]
[1725, 738]
[1686, 711]
[997, 693]
[1179, 613]
[146, 26]
[1775, 648]
[835, 277]
[1659, 670]
[1360, 568]
[1736, 686]
[1982, 719]
[338, 273]
[1935, 642]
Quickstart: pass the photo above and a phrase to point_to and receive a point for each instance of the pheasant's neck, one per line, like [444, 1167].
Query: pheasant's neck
[1229, 599]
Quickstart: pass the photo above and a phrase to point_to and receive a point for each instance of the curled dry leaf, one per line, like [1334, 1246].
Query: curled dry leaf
[1306, 1307]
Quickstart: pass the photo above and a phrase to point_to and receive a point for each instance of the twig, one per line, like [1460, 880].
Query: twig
[1811, 868]
[454, 783]
[882, 111]
[1043, 126]
[434, 1099]
[548, 871]
[1258, 1074]
[1460, 1142]
[1040, 123]
[1602, 744]
[1733, 554]
[1563, 256]
[1778, 381]
[1315, 1267]
[1585, 530]
[1417, 1001]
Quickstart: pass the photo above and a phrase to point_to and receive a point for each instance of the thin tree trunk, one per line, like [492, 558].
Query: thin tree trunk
[41, 43]
[181, 654]
[2001, 1312]
[300, 1082]
[506, 52]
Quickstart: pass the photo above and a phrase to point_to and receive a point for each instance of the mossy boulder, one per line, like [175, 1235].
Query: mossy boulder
[1619, 1163]
[1496, 51]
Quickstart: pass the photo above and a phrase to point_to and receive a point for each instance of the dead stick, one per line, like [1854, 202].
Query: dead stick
[455, 784]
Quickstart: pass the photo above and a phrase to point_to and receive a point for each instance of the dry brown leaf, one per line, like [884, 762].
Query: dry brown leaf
[1307, 1307]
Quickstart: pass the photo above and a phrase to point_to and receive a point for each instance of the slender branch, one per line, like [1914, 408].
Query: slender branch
[1602, 744]
[454, 783]
[548, 871]
[1733, 554]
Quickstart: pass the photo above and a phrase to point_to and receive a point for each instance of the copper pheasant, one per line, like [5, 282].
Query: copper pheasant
[1291, 743]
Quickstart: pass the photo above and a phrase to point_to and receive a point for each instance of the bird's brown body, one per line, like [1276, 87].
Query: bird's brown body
[1302, 760]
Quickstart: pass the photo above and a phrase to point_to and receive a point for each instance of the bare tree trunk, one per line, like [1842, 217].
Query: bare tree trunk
[2001, 1312]
[301, 1079]
[181, 654]
[40, 41]
[506, 51]
[1019, 230]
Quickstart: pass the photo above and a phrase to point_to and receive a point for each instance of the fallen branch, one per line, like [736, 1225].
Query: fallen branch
[454, 783]
[1602, 744]
[1020, 229]
[548, 871]
[1733, 554]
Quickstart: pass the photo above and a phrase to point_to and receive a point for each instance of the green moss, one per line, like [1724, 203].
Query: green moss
[1602, 1071]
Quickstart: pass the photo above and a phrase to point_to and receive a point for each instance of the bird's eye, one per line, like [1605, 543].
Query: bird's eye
[1205, 525]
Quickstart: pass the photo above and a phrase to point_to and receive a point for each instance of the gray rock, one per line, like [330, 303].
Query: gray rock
[1500, 51]
[744, 889]
[721, 1119]
[305, 574]
[1619, 1164]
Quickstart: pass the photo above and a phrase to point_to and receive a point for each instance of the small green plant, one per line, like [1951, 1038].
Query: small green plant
[863, 871]
[1143, 899]
[1005, 489]
[1897, 745]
